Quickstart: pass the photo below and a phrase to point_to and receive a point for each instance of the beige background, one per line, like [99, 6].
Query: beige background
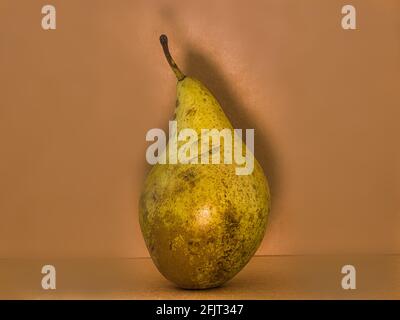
[76, 103]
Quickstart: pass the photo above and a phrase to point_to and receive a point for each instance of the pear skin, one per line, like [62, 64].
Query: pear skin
[202, 222]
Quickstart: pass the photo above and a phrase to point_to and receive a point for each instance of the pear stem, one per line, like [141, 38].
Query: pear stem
[164, 43]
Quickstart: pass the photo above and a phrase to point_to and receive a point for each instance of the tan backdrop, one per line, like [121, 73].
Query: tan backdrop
[76, 103]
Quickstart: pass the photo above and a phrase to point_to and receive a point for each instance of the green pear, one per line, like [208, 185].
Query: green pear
[202, 223]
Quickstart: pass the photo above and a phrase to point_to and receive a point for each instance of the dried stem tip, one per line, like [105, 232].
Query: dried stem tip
[164, 43]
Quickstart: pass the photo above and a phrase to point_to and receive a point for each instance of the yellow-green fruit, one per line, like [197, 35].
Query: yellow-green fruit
[202, 222]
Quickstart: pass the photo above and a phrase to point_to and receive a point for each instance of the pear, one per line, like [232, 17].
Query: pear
[202, 223]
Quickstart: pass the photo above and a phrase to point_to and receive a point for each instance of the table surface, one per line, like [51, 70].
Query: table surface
[265, 277]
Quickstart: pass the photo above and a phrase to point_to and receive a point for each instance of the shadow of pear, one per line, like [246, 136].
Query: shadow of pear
[198, 65]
